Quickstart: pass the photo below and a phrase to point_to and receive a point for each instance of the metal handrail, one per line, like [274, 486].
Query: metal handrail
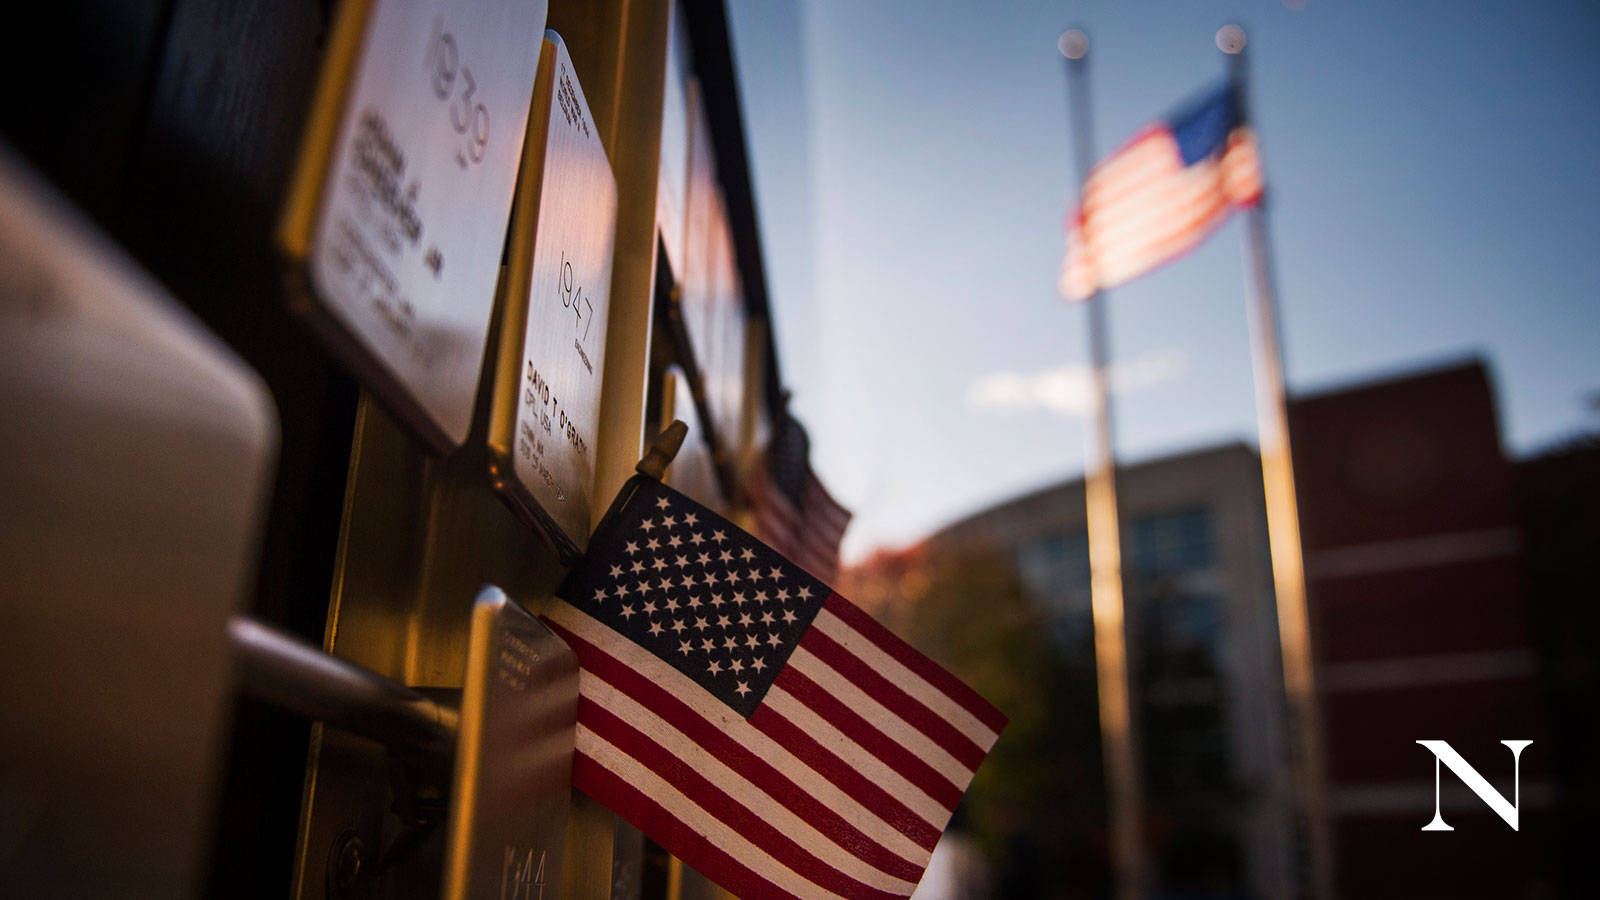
[289, 673]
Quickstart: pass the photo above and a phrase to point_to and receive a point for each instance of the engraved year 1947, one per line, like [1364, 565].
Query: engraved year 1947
[572, 298]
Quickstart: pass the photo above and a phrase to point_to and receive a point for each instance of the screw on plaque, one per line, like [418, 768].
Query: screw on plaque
[662, 450]
[345, 864]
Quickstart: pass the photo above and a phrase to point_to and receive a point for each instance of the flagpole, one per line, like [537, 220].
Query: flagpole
[1283, 524]
[1118, 734]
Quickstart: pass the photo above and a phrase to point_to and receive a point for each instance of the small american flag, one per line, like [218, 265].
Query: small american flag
[755, 724]
[1161, 194]
[795, 515]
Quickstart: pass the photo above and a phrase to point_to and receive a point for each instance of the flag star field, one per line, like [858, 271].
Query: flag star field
[707, 599]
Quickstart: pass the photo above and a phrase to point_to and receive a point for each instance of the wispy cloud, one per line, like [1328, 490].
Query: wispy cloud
[1066, 389]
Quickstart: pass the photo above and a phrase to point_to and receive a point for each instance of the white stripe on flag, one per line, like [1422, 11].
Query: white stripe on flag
[746, 794]
[1129, 192]
[1140, 260]
[885, 719]
[692, 815]
[861, 759]
[1150, 208]
[1134, 259]
[1155, 148]
[910, 682]
[1169, 231]
[718, 715]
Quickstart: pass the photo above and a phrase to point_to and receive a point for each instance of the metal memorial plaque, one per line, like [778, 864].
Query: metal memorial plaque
[398, 214]
[513, 770]
[547, 402]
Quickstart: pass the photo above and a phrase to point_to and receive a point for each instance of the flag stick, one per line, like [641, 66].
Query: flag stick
[1118, 732]
[1283, 526]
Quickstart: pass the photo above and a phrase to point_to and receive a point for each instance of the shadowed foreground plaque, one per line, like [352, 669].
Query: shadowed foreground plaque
[135, 456]
[513, 771]
[542, 433]
[397, 216]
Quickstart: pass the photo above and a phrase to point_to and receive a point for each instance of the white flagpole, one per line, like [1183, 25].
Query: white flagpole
[1283, 528]
[1118, 731]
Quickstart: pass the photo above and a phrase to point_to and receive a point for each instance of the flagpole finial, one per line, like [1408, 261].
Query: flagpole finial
[1073, 44]
[663, 450]
[1231, 39]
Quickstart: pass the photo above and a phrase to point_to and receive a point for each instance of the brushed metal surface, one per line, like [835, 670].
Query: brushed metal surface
[544, 433]
[513, 771]
[421, 534]
[722, 365]
[399, 212]
[294, 676]
[135, 459]
[705, 226]
[672, 184]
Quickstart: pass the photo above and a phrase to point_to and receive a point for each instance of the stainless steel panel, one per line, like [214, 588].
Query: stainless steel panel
[672, 184]
[558, 290]
[421, 534]
[705, 221]
[513, 772]
[135, 457]
[722, 359]
[399, 212]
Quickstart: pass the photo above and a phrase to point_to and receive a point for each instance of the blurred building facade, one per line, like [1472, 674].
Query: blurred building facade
[1558, 492]
[1205, 663]
[1444, 584]
[1422, 628]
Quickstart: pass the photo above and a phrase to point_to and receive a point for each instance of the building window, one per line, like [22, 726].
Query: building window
[1173, 543]
[1055, 578]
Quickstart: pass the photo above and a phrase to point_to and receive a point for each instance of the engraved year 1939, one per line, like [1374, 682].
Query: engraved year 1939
[468, 116]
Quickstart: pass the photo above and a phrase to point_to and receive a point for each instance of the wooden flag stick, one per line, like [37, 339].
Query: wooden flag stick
[663, 450]
[1118, 730]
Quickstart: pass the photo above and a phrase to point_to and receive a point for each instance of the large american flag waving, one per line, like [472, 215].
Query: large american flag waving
[1159, 195]
[755, 724]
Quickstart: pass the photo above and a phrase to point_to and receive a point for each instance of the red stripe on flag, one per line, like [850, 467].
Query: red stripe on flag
[908, 656]
[711, 798]
[845, 776]
[831, 512]
[652, 818]
[902, 704]
[824, 545]
[806, 530]
[1111, 232]
[893, 754]
[757, 770]
[1168, 245]
[1134, 168]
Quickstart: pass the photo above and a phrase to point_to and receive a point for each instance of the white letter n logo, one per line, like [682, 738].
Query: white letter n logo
[1444, 753]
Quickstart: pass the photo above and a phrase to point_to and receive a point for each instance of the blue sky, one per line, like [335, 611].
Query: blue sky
[1433, 188]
